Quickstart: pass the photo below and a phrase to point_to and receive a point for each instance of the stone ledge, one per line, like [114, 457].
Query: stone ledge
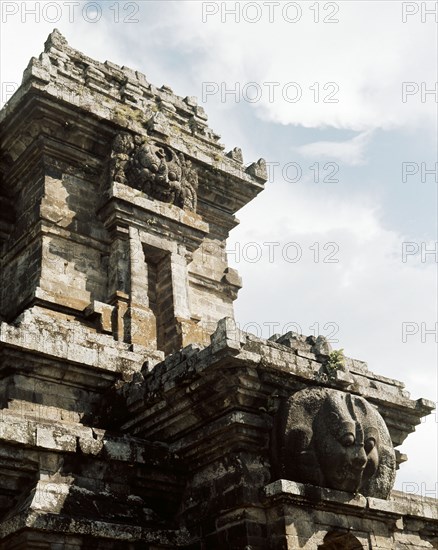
[304, 492]
[56, 523]
[416, 505]
[69, 438]
[401, 506]
[68, 340]
[164, 210]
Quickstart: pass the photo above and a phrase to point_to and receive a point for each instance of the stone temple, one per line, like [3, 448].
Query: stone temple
[134, 413]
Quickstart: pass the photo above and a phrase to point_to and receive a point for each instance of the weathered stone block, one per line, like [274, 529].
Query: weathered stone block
[133, 412]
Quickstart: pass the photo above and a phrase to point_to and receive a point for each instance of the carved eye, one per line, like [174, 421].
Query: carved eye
[347, 440]
[370, 443]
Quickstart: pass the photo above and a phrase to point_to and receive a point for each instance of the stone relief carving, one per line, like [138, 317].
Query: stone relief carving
[335, 439]
[159, 171]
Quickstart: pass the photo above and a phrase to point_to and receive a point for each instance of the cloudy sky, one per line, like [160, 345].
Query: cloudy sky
[338, 97]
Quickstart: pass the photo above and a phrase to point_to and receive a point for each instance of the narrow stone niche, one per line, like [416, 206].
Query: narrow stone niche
[160, 295]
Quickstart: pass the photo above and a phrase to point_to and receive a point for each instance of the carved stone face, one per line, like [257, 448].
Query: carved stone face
[338, 440]
[158, 171]
[346, 442]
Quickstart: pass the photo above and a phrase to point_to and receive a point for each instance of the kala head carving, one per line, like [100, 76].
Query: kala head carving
[338, 440]
[157, 170]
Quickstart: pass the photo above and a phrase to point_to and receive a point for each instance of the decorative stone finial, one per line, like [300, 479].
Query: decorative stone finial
[236, 154]
[55, 39]
[258, 169]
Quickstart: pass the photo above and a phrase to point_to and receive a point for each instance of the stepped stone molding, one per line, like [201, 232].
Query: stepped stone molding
[134, 414]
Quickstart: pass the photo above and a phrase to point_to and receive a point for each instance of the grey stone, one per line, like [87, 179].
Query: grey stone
[337, 440]
[133, 411]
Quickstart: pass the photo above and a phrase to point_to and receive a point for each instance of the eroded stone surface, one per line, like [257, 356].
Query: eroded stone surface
[338, 440]
[133, 412]
[158, 171]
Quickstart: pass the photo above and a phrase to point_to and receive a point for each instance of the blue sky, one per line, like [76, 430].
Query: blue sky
[367, 135]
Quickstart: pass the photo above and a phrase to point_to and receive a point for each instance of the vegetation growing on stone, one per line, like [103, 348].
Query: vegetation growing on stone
[335, 361]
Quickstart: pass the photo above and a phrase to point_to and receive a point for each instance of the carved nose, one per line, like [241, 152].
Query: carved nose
[360, 458]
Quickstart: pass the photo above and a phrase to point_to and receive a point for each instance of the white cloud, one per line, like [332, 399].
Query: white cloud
[367, 55]
[349, 152]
